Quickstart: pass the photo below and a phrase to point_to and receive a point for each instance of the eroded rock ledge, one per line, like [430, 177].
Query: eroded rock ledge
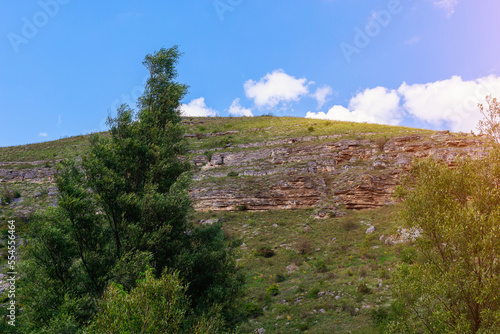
[356, 174]
[294, 173]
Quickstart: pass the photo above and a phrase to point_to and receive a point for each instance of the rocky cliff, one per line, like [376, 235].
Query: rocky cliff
[328, 172]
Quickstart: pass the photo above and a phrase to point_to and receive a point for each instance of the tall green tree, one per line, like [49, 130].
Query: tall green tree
[453, 286]
[123, 208]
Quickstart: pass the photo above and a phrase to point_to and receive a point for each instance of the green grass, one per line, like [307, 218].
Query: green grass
[284, 302]
[250, 130]
[52, 150]
[267, 128]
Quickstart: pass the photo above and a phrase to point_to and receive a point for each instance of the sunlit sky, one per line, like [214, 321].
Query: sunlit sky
[66, 64]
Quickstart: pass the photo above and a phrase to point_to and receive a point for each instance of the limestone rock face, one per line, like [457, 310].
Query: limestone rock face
[327, 172]
[314, 171]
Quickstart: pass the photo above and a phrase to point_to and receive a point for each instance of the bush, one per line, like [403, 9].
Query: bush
[208, 155]
[242, 207]
[363, 288]
[264, 251]
[232, 174]
[165, 301]
[273, 290]
[8, 195]
[252, 310]
[310, 129]
[380, 142]
[313, 293]
[303, 246]
[363, 271]
[349, 225]
[280, 278]
[320, 265]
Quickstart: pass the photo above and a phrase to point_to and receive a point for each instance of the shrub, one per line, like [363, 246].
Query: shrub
[8, 195]
[363, 288]
[363, 271]
[303, 246]
[165, 301]
[313, 293]
[380, 142]
[232, 174]
[252, 310]
[264, 251]
[349, 225]
[320, 265]
[242, 207]
[310, 129]
[208, 155]
[280, 278]
[202, 128]
[273, 290]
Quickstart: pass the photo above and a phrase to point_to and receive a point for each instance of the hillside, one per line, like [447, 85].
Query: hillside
[308, 202]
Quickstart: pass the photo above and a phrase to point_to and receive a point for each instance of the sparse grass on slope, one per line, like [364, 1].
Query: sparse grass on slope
[246, 130]
[313, 276]
[52, 150]
[266, 128]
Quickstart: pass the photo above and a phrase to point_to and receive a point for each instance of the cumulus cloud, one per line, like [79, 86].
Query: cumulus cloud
[197, 108]
[237, 110]
[321, 95]
[447, 5]
[376, 105]
[43, 134]
[275, 88]
[451, 102]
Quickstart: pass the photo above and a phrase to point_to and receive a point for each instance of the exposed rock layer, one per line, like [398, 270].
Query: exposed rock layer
[300, 172]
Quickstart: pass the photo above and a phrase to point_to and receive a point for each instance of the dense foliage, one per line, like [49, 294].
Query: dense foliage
[154, 306]
[453, 285]
[124, 208]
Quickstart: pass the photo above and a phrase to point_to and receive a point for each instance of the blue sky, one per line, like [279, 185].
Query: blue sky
[66, 64]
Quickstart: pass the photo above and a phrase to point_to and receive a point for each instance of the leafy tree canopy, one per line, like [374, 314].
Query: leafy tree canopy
[123, 208]
[453, 286]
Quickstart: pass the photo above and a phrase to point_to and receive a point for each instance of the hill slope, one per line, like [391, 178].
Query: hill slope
[320, 268]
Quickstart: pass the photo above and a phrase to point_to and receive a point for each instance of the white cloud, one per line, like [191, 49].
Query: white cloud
[452, 102]
[275, 88]
[377, 105]
[237, 110]
[197, 108]
[321, 95]
[59, 121]
[413, 40]
[447, 5]
[43, 134]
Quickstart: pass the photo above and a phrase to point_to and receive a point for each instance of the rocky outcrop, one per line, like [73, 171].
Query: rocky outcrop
[292, 173]
[37, 175]
[313, 171]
